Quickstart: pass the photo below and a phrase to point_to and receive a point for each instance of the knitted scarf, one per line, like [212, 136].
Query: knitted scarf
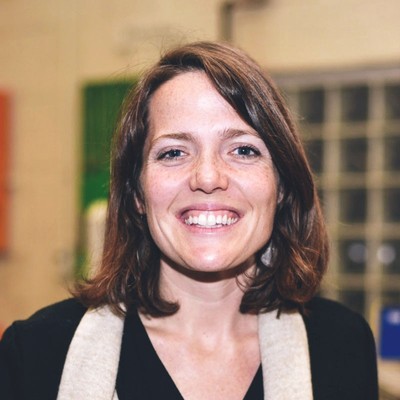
[91, 366]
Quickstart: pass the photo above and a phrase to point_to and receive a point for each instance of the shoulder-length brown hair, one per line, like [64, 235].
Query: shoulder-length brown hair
[129, 272]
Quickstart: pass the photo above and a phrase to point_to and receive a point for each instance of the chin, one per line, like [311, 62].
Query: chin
[211, 268]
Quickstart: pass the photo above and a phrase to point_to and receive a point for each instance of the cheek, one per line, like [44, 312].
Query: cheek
[263, 187]
[267, 203]
[158, 189]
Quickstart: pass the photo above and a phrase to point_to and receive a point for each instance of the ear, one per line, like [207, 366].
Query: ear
[139, 203]
[280, 194]
[279, 188]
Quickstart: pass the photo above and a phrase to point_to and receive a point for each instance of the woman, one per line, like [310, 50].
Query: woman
[214, 249]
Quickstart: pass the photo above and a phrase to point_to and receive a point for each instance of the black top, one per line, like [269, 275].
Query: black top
[141, 374]
[32, 355]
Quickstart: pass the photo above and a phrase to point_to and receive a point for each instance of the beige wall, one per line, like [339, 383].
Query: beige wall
[49, 48]
[304, 34]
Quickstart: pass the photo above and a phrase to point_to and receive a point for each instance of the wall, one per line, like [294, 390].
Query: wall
[293, 35]
[50, 48]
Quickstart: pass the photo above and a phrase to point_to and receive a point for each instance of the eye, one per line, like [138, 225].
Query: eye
[246, 151]
[171, 154]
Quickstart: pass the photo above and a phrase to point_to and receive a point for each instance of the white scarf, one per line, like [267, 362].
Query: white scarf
[91, 366]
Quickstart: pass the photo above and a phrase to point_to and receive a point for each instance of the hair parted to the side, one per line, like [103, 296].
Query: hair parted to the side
[129, 273]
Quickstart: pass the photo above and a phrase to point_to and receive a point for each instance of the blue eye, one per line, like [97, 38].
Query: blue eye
[247, 151]
[170, 154]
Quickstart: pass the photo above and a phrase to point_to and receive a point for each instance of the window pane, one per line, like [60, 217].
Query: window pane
[315, 154]
[389, 256]
[391, 297]
[354, 299]
[312, 104]
[354, 103]
[354, 155]
[392, 153]
[353, 256]
[353, 205]
[391, 201]
[392, 101]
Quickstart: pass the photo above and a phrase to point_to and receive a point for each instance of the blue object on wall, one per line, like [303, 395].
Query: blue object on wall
[390, 333]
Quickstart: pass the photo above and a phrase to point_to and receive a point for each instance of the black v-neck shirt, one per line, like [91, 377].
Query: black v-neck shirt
[142, 375]
[32, 356]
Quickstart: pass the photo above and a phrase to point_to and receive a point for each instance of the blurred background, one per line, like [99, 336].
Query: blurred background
[65, 66]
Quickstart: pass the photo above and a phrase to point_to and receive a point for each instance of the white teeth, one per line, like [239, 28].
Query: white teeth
[210, 220]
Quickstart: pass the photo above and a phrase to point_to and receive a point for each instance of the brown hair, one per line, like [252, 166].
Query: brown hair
[129, 273]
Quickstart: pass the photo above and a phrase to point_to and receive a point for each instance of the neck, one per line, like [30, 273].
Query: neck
[209, 303]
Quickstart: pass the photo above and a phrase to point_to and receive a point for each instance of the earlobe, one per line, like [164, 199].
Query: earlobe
[139, 204]
[280, 195]
[280, 192]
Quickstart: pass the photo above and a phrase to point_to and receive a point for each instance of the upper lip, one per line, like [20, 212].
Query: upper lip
[210, 207]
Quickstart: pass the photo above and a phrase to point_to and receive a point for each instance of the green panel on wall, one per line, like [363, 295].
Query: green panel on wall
[102, 103]
[101, 108]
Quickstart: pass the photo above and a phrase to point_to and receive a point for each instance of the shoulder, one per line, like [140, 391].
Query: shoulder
[332, 326]
[328, 314]
[48, 327]
[33, 351]
[342, 351]
[62, 314]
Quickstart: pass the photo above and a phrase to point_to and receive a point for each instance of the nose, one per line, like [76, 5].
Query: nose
[209, 174]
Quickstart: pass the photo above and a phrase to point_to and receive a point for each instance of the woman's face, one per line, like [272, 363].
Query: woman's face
[209, 185]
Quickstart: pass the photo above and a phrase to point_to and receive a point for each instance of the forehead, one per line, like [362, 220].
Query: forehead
[190, 100]
[185, 88]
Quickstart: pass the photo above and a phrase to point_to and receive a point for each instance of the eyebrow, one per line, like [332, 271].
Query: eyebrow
[234, 133]
[225, 134]
[175, 135]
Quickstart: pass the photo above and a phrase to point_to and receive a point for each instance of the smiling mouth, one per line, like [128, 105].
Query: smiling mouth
[207, 220]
